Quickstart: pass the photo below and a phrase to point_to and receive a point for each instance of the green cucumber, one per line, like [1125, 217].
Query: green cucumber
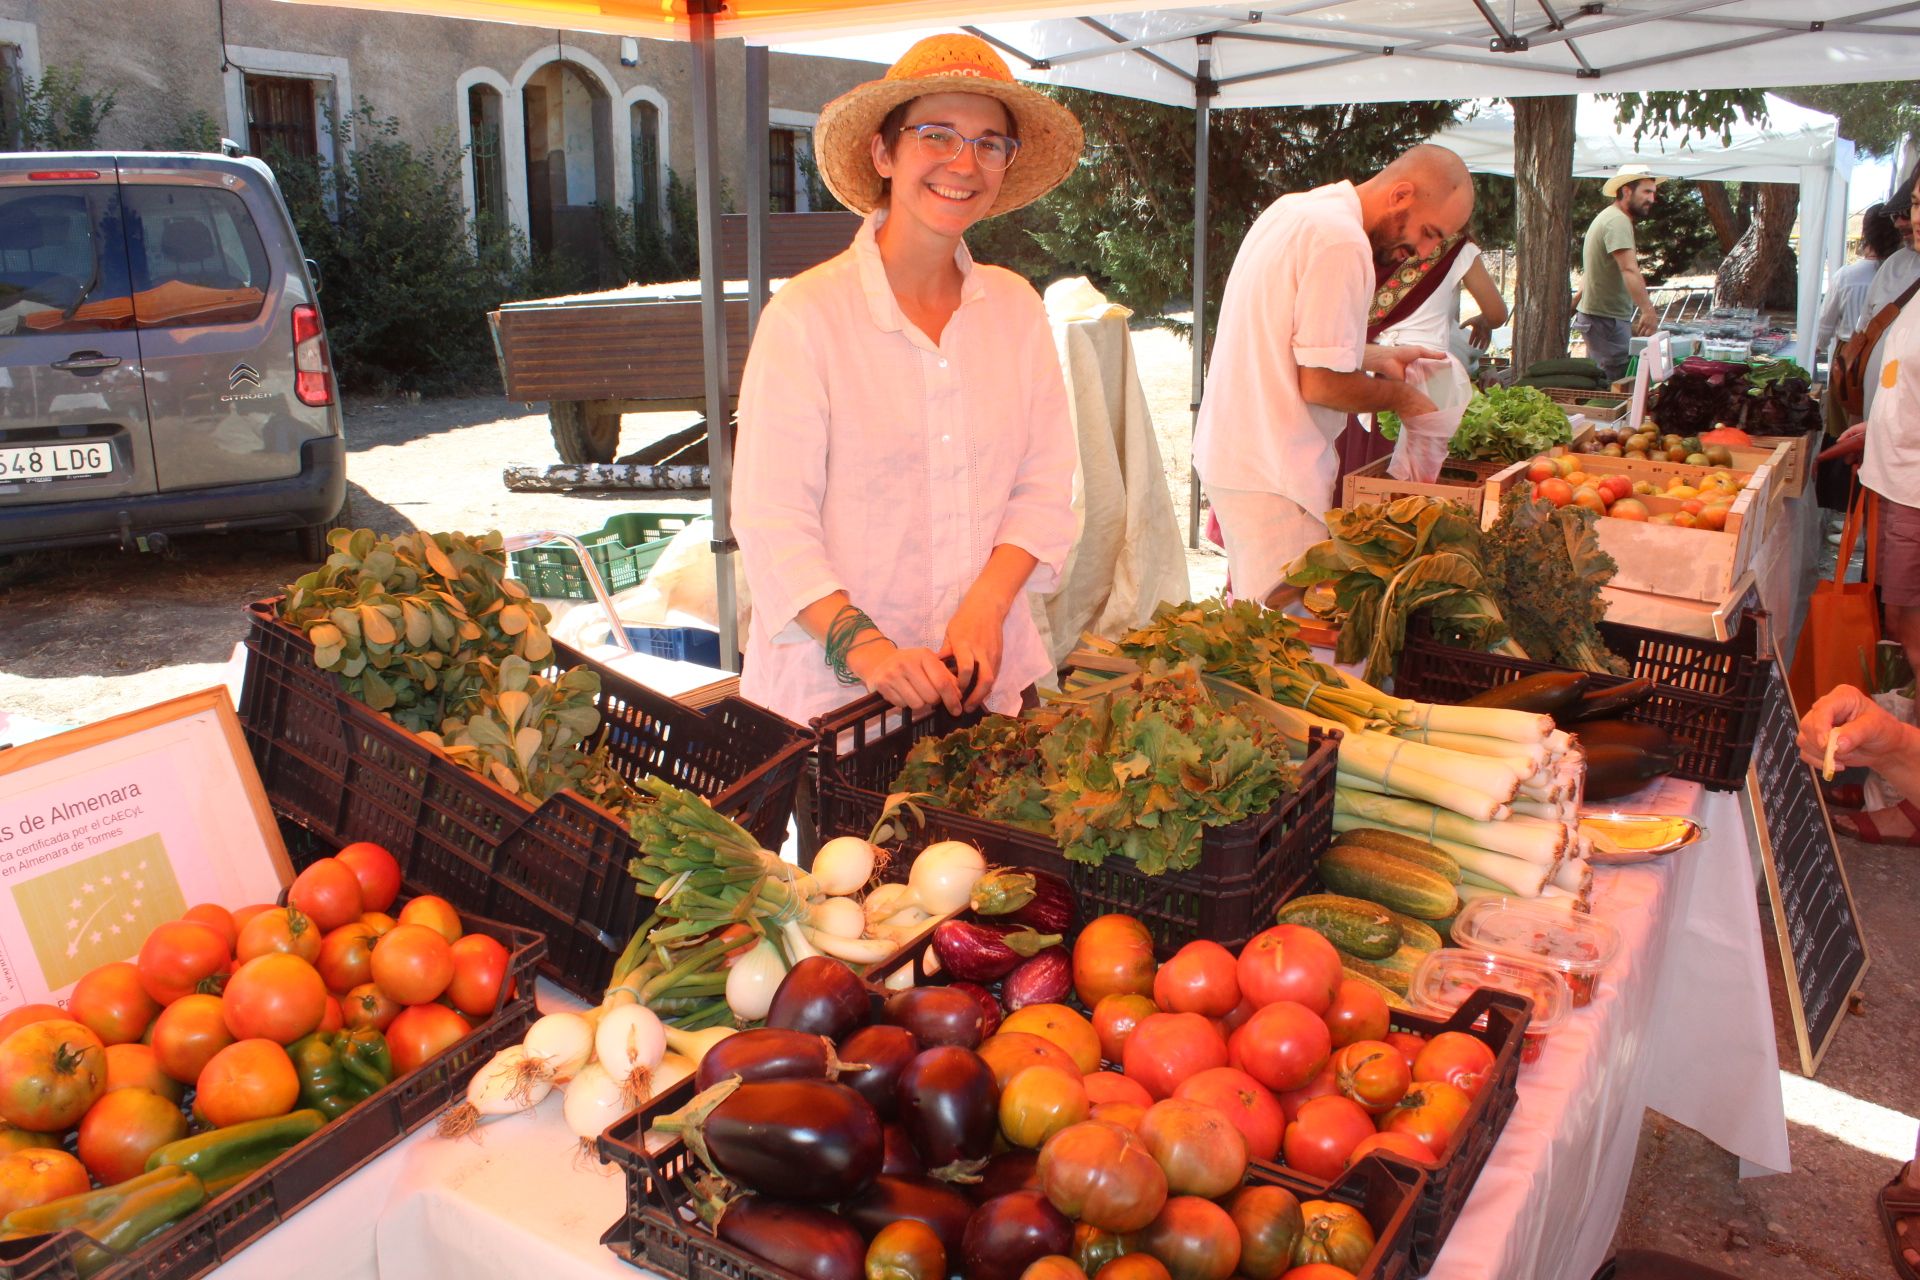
[1564, 364]
[1394, 999]
[1363, 872]
[1403, 962]
[1417, 933]
[1391, 979]
[1405, 848]
[1361, 928]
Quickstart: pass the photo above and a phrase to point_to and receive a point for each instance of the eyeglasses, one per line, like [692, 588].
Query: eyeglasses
[942, 144]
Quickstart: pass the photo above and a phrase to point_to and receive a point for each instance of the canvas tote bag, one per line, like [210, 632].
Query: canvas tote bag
[1843, 618]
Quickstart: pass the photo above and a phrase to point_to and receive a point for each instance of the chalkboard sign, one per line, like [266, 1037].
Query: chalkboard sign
[1821, 946]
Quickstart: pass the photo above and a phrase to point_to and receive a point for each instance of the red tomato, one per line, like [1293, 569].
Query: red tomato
[242, 916]
[1323, 1085]
[1324, 1134]
[278, 998]
[1127, 1115]
[329, 892]
[334, 1018]
[247, 1080]
[1250, 1105]
[1039, 1102]
[1114, 1019]
[1102, 1175]
[1236, 1019]
[1112, 956]
[215, 917]
[279, 930]
[1358, 1012]
[421, 1032]
[1195, 1238]
[126, 1126]
[29, 1013]
[1201, 978]
[1318, 1271]
[1407, 1043]
[188, 1033]
[376, 870]
[368, 1006]
[1168, 1047]
[50, 1073]
[1432, 1112]
[383, 924]
[413, 964]
[479, 970]
[38, 1176]
[1400, 1144]
[1270, 1225]
[1334, 1233]
[112, 1004]
[1457, 1058]
[436, 914]
[1111, 1086]
[1008, 1053]
[1290, 962]
[137, 1066]
[1282, 1045]
[1197, 1145]
[181, 957]
[1373, 1074]
[1133, 1266]
[346, 957]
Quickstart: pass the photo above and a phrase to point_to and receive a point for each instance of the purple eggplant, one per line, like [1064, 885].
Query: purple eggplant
[821, 997]
[768, 1053]
[989, 1005]
[937, 1204]
[985, 952]
[900, 1160]
[804, 1140]
[1015, 1170]
[937, 1016]
[1009, 1233]
[816, 1244]
[950, 1106]
[883, 1052]
[1052, 908]
[1045, 979]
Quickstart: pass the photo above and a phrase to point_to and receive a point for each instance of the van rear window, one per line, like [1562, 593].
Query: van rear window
[63, 266]
[197, 257]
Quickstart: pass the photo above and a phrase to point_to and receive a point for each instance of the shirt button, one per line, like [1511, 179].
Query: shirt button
[946, 439]
[943, 364]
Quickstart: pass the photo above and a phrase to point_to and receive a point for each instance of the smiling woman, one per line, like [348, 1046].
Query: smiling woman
[906, 457]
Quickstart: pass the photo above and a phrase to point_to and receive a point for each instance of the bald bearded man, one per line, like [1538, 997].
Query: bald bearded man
[1291, 360]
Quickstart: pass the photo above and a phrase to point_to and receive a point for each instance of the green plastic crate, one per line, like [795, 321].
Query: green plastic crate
[624, 550]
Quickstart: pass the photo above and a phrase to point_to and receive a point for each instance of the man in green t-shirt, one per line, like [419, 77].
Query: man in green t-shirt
[1611, 284]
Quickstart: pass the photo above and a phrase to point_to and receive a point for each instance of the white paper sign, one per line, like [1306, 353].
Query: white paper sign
[110, 830]
[1638, 413]
[1659, 353]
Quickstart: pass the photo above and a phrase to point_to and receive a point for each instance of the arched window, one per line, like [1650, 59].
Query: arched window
[489, 195]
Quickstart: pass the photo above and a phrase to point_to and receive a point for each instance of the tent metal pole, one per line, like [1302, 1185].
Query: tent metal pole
[713, 316]
[758, 178]
[1202, 134]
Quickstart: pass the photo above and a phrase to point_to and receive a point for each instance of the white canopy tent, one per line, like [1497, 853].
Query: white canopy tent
[1794, 145]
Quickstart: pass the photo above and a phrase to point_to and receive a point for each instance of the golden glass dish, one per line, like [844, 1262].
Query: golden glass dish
[1620, 839]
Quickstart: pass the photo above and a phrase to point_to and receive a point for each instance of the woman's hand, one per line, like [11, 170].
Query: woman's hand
[975, 635]
[1864, 733]
[1479, 333]
[911, 678]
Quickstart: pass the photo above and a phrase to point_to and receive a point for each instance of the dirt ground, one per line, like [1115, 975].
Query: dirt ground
[95, 632]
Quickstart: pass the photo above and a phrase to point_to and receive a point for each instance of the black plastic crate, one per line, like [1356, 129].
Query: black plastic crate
[1707, 693]
[1246, 870]
[347, 772]
[247, 1211]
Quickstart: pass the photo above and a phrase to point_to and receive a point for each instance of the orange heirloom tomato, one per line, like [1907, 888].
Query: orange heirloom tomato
[187, 1034]
[368, 1006]
[413, 964]
[112, 1004]
[39, 1175]
[123, 1129]
[216, 918]
[243, 915]
[274, 997]
[380, 922]
[435, 913]
[50, 1073]
[247, 1080]
[334, 1018]
[329, 892]
[28, 1013]
[279, 929]
[346, 957]
[137, 1066]
[181, 957]
[421, 1032]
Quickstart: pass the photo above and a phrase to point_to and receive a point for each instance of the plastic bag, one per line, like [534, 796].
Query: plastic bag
[1878, 794]
[1422, 446]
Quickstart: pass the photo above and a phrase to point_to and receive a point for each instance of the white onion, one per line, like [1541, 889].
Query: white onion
[944, 874]
[838, 917]
[558, 1046]
[594, 1100]
[753, 979]
[629, 1043]
[844, 865]
[499, 1088]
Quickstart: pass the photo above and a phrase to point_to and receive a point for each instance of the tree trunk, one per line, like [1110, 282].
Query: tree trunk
[1543, 203]
[1720, 213]
[1761, 271]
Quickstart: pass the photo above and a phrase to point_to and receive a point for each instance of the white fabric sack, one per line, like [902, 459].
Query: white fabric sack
[1422, 446]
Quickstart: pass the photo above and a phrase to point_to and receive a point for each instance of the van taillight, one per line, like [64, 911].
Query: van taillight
[63, 175]
[312, 367]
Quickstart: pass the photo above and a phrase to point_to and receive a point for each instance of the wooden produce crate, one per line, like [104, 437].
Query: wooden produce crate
[1793, 469]
[1460, 480]
[1691, 564]
[1612, 412]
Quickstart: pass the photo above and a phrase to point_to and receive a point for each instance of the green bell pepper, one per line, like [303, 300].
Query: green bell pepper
[340, 1069]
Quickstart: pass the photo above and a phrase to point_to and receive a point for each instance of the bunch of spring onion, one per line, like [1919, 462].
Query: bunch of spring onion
[1498, 790]
[731, 917]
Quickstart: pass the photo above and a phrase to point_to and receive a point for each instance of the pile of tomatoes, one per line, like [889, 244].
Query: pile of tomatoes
[210, 1004]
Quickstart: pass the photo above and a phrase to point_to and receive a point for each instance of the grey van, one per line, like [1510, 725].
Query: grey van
[163, 365]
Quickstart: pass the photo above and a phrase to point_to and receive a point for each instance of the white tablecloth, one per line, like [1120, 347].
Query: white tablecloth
[1689, 988]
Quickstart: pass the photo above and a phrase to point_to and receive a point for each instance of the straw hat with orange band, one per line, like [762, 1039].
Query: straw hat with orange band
[1049, 136]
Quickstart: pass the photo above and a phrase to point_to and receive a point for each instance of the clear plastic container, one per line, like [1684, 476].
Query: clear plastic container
[1576, 944]
[1448, 976]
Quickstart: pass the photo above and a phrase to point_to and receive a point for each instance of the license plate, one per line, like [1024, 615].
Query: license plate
[56, 461]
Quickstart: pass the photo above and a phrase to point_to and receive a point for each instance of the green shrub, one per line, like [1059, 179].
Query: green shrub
[195, 131]
[645, 249]
[59, 112]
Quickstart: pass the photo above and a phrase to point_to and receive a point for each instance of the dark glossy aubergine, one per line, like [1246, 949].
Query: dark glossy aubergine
[1010, 1171]
[821, 997]
[1009, 1233]
[803, 1140]
[901, 1158]
[1047, 978]
[937, 1204]
[767, 1053]
[938, 1016]
[813, 1243]
[950, 1106]
[882, 1053]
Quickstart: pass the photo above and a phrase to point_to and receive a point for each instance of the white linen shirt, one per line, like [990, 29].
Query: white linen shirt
[1891, 465]
[1297, 295]
[877, 462]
